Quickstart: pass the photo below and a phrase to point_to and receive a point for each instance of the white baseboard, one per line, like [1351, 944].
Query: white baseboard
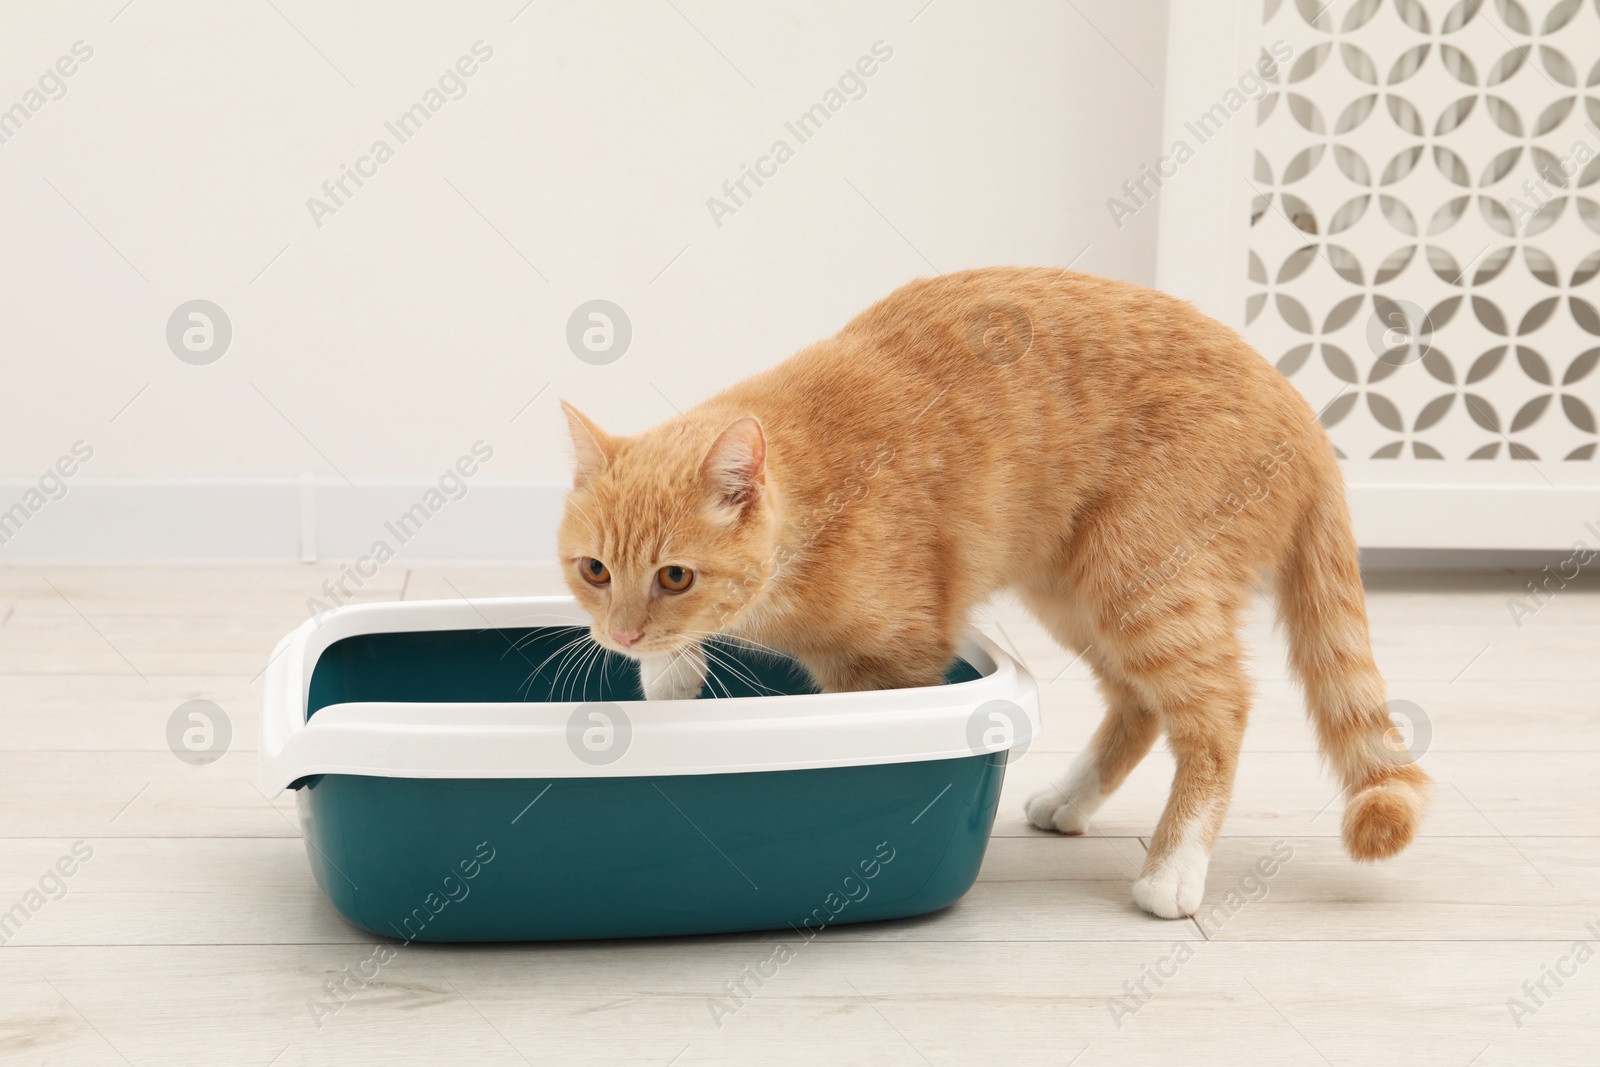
[1496, 517]
[322, 519]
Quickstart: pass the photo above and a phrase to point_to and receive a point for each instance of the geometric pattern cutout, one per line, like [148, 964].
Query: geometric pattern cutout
[1425, 224]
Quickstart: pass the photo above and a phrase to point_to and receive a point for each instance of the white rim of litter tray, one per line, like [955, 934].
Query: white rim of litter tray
[530, 740]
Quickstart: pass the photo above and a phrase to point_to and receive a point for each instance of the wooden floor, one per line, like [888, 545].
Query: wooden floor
[195, 934]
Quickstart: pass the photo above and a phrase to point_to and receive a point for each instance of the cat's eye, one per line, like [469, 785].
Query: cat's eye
[594, 572]
[675, 579]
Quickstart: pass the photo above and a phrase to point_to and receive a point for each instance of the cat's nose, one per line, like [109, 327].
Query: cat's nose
[626, 638]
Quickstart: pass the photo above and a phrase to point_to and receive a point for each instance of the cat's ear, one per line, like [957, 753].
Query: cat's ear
[736, 467]
[592, 446]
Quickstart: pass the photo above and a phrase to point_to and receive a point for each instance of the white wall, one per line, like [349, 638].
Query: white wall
[432, 306]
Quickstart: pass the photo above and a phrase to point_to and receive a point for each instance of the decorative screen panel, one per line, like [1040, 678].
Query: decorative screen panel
[1425, 229]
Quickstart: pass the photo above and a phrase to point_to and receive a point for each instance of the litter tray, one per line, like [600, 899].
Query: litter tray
[455, 785]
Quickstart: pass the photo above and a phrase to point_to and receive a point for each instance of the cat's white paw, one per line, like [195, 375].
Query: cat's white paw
[678, 676]
[1173, 890]
[1068, 802]
[1049, 810]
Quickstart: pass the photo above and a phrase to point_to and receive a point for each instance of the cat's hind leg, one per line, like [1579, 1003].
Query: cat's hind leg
[1123, 738]
[1185, 663]
[1125, 735]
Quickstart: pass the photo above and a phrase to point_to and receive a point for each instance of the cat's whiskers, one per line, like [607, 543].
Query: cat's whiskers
[526, 688]
[580, 684]
[725, 659]
[600, 659]
[581, 637]
[738, 670]
[749, 642]
[711, 679]
[527, 683]
[525, 639]
[569, 664]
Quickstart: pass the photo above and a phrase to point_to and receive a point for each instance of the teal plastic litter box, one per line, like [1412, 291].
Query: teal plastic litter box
[454, 786]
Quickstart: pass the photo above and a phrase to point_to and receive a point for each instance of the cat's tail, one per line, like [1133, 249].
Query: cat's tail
[1321, 603]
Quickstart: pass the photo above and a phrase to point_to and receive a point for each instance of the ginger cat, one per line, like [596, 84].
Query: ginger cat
[1124, 464]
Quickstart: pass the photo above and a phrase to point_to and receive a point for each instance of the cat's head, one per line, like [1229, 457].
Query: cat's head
[668, 535]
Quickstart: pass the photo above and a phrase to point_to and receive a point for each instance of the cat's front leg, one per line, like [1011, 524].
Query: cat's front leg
[673, 675]
[902, 670]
